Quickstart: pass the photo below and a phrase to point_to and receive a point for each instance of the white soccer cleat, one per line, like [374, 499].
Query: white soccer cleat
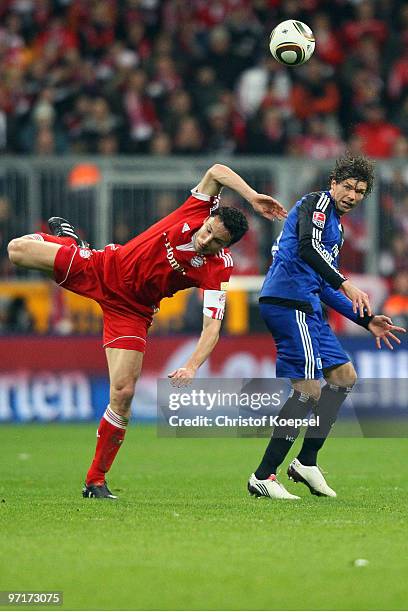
[269, 488]
[312, 477]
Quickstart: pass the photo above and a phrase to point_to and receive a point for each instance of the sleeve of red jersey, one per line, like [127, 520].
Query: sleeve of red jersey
[200, 200]
[215, 285]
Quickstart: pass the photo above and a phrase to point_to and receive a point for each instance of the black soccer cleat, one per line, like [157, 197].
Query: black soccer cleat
[98, 491]
[61, 227]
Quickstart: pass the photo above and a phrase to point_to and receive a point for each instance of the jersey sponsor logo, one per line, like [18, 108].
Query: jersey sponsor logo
[319, 219]
[85, 253]
[186, 228]
[335, 250]
[197, 261]
[170, 256]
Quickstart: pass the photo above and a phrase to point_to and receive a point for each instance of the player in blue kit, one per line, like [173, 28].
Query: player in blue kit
[303, 274]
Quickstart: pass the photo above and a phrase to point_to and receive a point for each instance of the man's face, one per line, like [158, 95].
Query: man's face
[211, 237]
[347, 194]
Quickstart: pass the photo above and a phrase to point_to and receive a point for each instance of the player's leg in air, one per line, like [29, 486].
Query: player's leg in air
[38, 251]
[124, 370]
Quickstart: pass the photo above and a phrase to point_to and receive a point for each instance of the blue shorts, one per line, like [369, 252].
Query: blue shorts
[305, 343]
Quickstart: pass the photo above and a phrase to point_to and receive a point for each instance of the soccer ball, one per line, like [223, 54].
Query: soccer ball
[292, 43]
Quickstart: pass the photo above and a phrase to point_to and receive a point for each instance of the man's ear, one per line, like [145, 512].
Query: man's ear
[333, 183]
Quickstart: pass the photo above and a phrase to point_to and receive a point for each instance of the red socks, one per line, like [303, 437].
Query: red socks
[64, 240]
[110, 435]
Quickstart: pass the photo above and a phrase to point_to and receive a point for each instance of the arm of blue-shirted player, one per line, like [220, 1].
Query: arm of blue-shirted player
[311, 221]
[380, 326]
[219, 176]
[208, 339]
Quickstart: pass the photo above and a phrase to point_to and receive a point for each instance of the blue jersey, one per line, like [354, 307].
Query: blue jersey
[304, 270]
[306, 253]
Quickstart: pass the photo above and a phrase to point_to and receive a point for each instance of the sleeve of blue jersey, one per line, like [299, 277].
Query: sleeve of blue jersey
[313, 213]
[341, 304]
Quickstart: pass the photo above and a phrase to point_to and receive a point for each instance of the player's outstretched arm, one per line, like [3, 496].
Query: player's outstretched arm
[219, 176]
[208, 339]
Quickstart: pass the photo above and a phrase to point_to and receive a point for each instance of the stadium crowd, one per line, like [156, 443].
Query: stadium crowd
[169, 77]
[136, 76]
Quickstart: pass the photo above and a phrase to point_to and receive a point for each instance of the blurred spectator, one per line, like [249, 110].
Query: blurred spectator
[401, 116]
[108, 144]
[44, 142]
[364, 22]
[317, 142]
[206, 88]
[268, 81]
[179, 106]
[140, 111]
[400, 148]
[189, 138]
[315, 92]
[18, 319]
[394, 259]
[221, 139]
[161, 144]
[398, 77]
[42, 133]
[378, 134]
[329, 48]
[222, 57]
[98, 123]
[396, 305]
[11, 224]
[267, 133]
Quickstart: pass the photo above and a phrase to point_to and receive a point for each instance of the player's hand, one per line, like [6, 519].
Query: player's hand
[182, 377]
[359, 298]
[268, 207]
[383, 329]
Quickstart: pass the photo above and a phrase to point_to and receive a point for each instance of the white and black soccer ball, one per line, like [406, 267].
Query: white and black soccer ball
[292, 43]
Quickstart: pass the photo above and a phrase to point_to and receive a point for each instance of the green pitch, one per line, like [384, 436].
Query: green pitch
[185, 534]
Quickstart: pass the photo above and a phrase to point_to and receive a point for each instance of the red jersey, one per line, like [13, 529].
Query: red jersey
[162, 259]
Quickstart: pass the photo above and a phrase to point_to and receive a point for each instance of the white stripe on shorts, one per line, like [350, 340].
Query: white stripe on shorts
[307, 344]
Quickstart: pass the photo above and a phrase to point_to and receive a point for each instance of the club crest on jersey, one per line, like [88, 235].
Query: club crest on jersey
[85, 253]
[197, 261]
[319, 219]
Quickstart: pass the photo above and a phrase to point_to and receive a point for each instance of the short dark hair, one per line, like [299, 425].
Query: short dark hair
[234, 221]
[354, 166]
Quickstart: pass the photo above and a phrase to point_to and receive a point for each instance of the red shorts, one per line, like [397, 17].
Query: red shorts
[95, 274]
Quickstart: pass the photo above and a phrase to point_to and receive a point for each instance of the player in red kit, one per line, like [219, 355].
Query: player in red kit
[188, 248]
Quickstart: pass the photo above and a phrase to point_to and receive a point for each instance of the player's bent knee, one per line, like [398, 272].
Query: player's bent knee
[311, 388]
[344, 375]
[122, 394]
[15, 249]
